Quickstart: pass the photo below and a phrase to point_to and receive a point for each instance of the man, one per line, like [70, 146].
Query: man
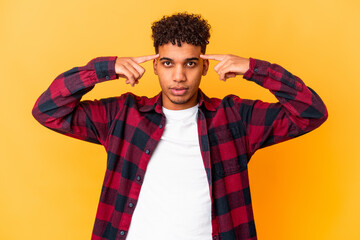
[193, 149]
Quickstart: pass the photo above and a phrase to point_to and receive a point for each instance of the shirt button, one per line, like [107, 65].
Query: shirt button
[160, 126]
[107, 77]
[138, 178]
[147, 151]
[214, 237]
[122, 233]
[131, 205]
[256, 70]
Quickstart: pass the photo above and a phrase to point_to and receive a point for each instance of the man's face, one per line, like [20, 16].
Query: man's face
[180, 70]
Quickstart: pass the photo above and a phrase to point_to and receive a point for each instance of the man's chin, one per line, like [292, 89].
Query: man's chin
[179, 100]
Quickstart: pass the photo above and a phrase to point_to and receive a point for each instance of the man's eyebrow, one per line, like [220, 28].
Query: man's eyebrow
[165, 58]
[192, 59]
[187, 59]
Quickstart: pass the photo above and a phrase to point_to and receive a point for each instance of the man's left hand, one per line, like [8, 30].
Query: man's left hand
[229, 65]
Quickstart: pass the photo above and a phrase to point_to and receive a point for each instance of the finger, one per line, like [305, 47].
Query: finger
[128, 82]
[226, 71]
[143, 59]
[230, 68]
[217, 57]
[225, 65]
[230, 75]
[124, 72]
[139, 68]
[222, 76]
[132, 69]
[220, 65]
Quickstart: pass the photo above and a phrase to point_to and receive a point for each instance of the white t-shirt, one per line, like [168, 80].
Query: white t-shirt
[174, 201]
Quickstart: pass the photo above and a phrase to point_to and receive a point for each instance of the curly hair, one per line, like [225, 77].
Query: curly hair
[180, 28]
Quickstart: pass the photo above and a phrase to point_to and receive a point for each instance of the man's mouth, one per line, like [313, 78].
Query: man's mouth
[178, 91]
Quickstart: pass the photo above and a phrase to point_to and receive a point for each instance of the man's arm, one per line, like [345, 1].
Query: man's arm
[298, 111]
[60, 109]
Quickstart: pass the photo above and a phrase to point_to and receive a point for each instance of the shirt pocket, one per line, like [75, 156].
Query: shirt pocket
[227, 150]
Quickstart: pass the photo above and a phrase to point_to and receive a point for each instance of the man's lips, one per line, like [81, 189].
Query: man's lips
[178, 91]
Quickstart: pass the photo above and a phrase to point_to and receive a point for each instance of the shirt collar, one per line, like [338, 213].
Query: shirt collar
[203, 100]
[155, 103]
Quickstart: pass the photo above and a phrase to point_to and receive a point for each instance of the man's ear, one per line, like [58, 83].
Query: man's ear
[155, 66]
[205, 66]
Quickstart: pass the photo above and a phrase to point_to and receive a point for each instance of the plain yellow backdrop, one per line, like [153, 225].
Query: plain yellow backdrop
[306, 188]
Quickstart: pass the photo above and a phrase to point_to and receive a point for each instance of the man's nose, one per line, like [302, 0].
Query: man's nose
[179, 74]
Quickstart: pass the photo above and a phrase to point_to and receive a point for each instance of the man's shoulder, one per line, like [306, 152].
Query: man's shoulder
[219, 103]
[130, 99]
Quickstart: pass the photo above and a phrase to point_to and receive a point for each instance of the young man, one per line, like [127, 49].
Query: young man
[193, 149]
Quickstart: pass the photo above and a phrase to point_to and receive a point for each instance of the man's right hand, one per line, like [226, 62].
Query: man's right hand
[129, 68]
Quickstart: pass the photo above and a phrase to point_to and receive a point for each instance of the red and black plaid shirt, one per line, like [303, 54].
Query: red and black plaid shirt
[130, 127]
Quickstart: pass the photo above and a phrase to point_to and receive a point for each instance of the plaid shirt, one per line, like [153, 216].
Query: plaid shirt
[129, 127]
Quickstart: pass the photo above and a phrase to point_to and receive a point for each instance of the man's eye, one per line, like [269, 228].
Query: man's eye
[167, 63]
[191, 64]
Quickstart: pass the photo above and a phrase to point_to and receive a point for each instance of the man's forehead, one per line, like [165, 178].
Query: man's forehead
[183, 52]
[179, 59]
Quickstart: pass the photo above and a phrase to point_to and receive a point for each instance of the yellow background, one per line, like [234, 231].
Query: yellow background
[306, 188]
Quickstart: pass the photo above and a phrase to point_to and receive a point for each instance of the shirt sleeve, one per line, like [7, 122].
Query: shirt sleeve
[298, 110]
[60, 109]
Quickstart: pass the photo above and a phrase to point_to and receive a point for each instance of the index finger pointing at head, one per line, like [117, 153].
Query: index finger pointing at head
[143, 59]
[217, 57]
